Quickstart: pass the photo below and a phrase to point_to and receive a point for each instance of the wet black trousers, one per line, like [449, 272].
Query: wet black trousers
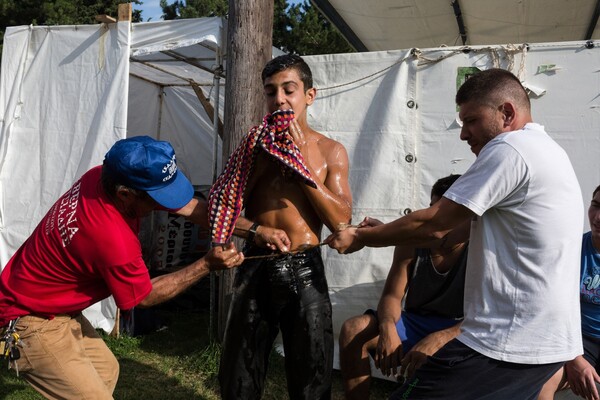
[290, 294]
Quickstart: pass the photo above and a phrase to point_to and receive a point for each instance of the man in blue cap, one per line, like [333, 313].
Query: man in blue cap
[85, 249]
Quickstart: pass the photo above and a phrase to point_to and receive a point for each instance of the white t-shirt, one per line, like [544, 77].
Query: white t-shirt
[521, 289]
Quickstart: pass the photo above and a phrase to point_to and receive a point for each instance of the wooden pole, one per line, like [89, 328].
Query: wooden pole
[124, 12]
[249, 47]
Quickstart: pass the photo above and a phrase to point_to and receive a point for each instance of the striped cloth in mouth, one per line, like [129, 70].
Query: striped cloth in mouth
[225, 199]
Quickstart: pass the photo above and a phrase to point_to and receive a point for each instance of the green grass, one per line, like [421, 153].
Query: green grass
[178, 363]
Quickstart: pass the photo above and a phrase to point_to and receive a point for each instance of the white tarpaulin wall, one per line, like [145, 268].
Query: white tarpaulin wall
[67, 93]
[395, 113]
[63, 102]
[66, 96]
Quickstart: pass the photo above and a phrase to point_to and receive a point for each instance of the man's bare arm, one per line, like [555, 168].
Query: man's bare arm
[332, 198]
[426, 347]
[265, 236]
[389, 346]
[390, 307]
[196, 211]
[415, 229]
[167, 286]
[421, 226]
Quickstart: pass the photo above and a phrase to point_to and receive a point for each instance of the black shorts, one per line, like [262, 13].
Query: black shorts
[457, 372]
[591, 350]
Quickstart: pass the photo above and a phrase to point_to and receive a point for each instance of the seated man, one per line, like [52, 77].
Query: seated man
[581, 373]
[432, 284]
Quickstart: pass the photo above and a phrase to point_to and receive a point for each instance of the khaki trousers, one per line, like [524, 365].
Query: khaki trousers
[65, 358]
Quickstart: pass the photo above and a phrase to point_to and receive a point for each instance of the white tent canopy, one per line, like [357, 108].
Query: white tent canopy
[404, 24]
[180, 64]
[69, 92]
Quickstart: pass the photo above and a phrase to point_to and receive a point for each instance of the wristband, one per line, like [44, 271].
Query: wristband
[252, 232]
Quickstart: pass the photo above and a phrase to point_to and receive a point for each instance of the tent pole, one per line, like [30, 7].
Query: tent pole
[210, 111]
[593, 22]
[160, 110]
[213, 312]
[216, 132]
[459, 20]
[249, 47]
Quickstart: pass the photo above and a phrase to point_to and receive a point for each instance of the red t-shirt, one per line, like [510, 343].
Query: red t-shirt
[82, 251]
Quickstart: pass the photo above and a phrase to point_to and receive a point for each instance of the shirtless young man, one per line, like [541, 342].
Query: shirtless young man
[287, 292]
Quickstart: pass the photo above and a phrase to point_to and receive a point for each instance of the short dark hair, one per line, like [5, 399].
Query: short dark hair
[596, 191]
[441, 185]
[493, 86]
[111, 185]
[287, 61]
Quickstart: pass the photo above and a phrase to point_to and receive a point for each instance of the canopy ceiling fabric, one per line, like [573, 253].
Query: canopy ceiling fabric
[171, 53]
[404, 24]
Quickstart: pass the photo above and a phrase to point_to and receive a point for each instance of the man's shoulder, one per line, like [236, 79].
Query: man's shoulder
[325, 141]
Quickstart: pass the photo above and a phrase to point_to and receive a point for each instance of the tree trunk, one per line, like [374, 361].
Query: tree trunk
[249, 47]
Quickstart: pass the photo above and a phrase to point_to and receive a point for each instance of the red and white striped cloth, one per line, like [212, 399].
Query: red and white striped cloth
[225, 199]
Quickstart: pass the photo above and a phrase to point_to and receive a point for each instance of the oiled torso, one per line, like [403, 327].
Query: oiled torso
[278, 200]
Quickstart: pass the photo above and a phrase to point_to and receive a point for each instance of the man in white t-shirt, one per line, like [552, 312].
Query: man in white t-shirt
[521, 292]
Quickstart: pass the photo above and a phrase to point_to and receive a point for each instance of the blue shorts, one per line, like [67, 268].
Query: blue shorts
[413, 327]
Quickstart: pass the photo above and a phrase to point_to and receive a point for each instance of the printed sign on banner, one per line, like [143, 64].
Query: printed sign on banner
[170, 241]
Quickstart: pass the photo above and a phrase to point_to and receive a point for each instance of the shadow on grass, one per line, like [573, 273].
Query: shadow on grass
[178, 362]
[13, 388]
[136, 381]
[139, 381]
[187, 340]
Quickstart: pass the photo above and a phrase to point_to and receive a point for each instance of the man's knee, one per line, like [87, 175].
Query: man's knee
[348, 331]
[356, 331]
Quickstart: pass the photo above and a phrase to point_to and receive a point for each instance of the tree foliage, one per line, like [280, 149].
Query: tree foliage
[297, 28]
[309, 32]
[58, 12]
[180, 9]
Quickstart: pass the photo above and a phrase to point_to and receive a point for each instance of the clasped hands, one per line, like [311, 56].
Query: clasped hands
[227, 255]
[345, 239]
[390, 358]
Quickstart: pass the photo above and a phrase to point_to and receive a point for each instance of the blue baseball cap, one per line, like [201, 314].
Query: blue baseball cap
[147, 164]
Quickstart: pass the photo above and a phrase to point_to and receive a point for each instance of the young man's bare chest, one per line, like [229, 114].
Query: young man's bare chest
[276, 198]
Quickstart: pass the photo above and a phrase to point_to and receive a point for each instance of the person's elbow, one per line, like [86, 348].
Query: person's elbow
[146, 302]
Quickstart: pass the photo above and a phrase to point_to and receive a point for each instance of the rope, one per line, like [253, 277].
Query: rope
[368, 76]
[495, 53]
[301, 249]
